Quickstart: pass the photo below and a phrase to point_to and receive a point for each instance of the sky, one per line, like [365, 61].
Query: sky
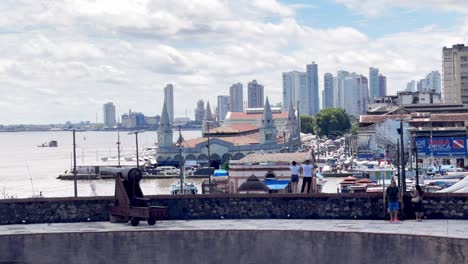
[61, 60]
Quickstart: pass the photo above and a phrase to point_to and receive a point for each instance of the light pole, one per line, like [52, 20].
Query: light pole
[209, 154]
[118, 148]
[402, 159]
[181, 162]
[74, 165]
[136, 143]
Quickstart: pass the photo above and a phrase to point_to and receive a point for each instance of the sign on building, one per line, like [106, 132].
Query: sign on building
[442, 146]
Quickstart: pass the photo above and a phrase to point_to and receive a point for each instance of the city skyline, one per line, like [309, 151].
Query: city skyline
[69, 58]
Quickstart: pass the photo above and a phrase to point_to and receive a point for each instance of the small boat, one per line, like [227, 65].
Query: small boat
[189, 188]
[50, 144]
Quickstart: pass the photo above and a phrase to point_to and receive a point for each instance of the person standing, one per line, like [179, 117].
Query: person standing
[417, 202]
[392, 198]
[294, 176]
[306, 175]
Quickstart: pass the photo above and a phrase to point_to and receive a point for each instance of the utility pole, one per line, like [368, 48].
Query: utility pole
[402, 160]
[398, 163]
[299, 125]
[417, 167]
[118, 148]
[209, 154]
[181, 163]
[74, 165]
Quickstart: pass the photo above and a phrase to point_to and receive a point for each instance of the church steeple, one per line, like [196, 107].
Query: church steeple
[268, 130]
[165, 129]
[208, 114]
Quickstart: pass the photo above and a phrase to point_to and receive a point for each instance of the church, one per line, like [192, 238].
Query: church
[259, 133]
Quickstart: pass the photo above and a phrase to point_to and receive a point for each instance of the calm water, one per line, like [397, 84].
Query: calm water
[26, 169]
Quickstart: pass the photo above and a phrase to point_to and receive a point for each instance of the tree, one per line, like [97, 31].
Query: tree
[331, 120]
[307, 124]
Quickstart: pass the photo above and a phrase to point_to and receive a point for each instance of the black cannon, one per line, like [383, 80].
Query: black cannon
[129, 202]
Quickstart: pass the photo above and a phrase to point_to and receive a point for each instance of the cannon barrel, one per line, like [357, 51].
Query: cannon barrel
[128, 174]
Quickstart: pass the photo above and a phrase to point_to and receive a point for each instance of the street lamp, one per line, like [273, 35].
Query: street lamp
[181, 161]
[415, 149]
[74, 165]
[136, 143]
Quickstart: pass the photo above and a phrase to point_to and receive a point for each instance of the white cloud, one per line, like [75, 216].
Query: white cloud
[60, 60]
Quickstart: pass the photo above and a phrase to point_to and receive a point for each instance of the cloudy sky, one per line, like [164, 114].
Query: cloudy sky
[62, 59]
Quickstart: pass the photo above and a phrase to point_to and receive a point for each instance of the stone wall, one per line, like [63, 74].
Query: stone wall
[324, 206]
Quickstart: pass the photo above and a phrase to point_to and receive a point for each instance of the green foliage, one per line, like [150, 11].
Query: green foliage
[331, 121]
[307, 124]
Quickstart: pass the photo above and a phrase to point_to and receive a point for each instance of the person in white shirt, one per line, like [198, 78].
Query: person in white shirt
[294, 176]
[307, 170]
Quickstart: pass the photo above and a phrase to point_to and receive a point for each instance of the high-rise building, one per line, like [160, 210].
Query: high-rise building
[382, 85]
[338, 89]
[374, 83]
[223, 107]
[327, 90]
[411, 86]
[169, 100]
[109, 114]
[455, 74]
[312, 98]
[200, 111]
[294, 83]
[236, 96]
[356, 94]
[433, 82]
[255, 95]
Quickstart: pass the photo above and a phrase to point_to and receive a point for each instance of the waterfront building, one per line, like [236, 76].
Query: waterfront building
[223, 107]
[169, 100]
[294, 88]
[229, 141]
[374, 83]
[109, 114]
[312, 93]
[327, 95]
[236, 98]
[200, 111]
[133, 120]
[255, 93]
[455, 74]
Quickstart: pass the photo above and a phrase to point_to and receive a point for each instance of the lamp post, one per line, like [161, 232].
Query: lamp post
[74, 165]
[402, 159]
[181, 162]
[118, 148]
[209, 154]
[136, 144]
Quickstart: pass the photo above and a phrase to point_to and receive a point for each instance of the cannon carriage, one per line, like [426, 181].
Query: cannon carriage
[129, 202]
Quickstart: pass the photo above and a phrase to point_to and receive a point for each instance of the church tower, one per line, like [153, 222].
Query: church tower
[165, 129]
[268, 130]
[292, 125]
[208, 119]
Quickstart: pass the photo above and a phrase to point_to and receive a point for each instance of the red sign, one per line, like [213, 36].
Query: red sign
[458, 144]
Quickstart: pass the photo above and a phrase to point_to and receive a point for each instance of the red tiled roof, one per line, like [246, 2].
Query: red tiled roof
[234, 128]
[242, 115]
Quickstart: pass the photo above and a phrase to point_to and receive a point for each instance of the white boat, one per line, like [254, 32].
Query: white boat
[189, 188]
[460, 186]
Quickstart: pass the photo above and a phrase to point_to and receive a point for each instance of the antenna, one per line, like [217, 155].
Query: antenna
[30, 178]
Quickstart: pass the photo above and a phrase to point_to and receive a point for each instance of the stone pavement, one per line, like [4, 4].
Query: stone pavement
[437, 228]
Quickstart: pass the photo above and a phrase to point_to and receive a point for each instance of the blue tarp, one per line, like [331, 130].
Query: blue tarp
[276, 184]
[220, 173]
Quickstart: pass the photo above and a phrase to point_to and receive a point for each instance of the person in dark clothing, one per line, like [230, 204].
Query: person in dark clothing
[392, 198]
[417, 202]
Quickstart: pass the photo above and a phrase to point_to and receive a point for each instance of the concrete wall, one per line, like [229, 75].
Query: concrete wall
[325, 206]
[230, 246]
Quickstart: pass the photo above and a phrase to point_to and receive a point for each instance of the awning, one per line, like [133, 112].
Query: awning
[276, 184]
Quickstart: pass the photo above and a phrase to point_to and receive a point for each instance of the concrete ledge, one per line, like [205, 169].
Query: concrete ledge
[238, 241]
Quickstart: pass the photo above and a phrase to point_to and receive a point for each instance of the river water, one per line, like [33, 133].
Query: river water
[27, 170]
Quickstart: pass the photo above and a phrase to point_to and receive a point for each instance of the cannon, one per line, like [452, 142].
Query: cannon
[129, 202]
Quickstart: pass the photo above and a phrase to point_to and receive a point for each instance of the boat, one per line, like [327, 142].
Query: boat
[189, 188]
[50, 144]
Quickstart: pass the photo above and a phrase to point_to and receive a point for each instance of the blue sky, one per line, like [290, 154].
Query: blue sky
[62, 60]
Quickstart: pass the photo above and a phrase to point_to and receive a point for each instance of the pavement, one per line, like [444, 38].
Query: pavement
[436, 228]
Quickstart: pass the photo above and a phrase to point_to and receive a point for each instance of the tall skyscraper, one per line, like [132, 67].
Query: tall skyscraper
[312, 89]
[356, 94]
[200, 111]
[294, 83]
[338, 89]
[455, 74]
[169, 100]
[255, 95]
[433, 81]
[382, 85]
[223, 106]
[236, 96]
[411, 86]
[327, 90]
[109, 114]
[374, 83]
